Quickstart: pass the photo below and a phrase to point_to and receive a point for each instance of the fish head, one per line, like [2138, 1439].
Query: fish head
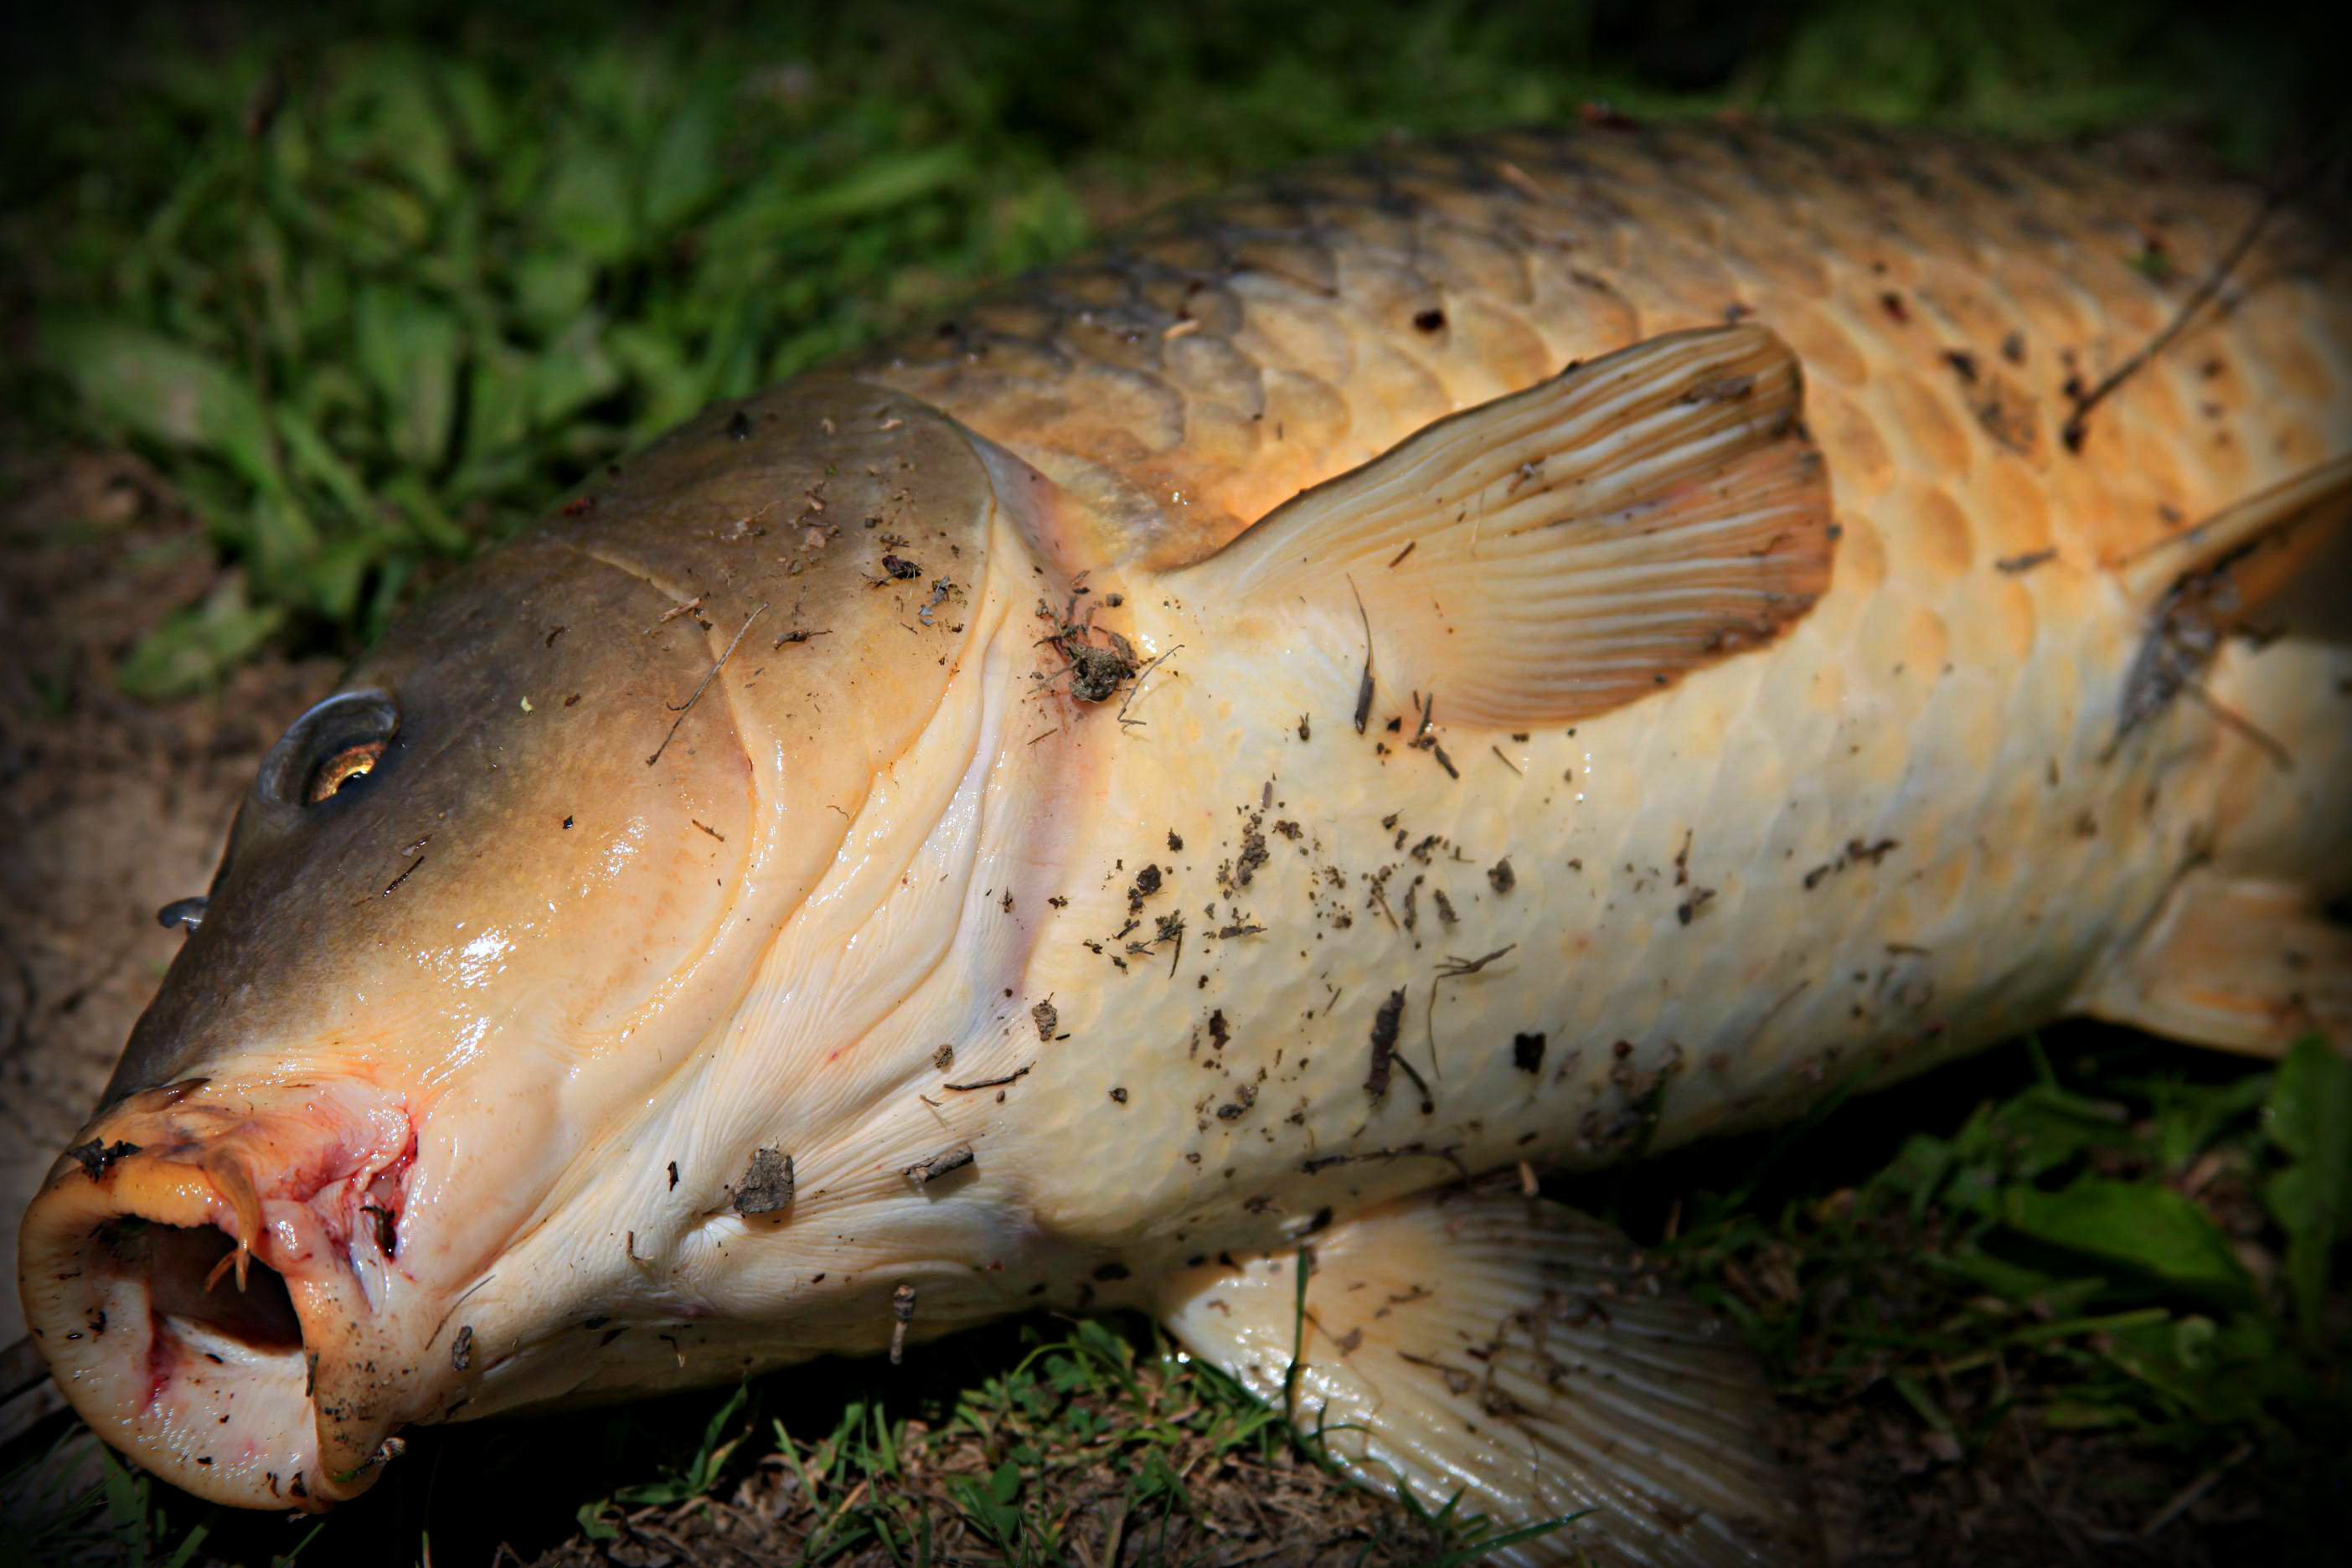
[480, 906]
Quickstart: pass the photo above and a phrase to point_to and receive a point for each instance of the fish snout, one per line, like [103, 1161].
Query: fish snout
[216, 1287]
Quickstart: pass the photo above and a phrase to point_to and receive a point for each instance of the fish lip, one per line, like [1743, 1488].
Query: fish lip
[260, 1392]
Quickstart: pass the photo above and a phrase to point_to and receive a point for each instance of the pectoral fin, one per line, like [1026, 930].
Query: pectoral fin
[2238, 965]
[1572, 547]
[1521, 1355]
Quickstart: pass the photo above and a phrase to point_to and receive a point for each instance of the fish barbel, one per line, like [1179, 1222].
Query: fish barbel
[1511, 653]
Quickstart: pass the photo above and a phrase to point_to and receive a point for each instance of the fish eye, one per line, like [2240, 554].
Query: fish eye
[334, 748]
[341, 769]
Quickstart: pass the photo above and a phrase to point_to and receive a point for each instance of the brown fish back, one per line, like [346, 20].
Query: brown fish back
[1949, 299]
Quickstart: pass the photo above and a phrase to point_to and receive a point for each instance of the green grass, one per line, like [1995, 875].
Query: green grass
[2151, 1233]
[368, 295]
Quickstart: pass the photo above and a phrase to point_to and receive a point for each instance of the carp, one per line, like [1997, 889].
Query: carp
[1480, 658]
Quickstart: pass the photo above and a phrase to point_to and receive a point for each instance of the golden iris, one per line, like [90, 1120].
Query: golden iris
[351, 762]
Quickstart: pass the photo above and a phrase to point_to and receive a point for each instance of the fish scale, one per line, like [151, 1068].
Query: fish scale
[1878, 257]
[1507, 654]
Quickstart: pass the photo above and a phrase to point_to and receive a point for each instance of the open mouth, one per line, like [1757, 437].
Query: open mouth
[184, 1269]
[219, 1337]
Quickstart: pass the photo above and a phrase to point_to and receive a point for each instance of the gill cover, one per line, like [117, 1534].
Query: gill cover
[659, 706]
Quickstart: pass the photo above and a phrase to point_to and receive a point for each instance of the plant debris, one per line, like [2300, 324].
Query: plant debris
[1386, 1024]
[95, 1157]
[902, 1313]
[1016, 1075]
[938, 1165]
[681, 709]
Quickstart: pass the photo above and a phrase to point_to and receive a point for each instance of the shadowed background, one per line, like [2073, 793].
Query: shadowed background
[299, 311]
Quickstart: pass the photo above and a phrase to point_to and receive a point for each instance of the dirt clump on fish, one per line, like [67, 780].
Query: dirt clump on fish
[1095, 673]
[767, 1184]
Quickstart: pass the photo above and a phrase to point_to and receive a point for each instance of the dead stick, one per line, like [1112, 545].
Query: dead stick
[681, 709]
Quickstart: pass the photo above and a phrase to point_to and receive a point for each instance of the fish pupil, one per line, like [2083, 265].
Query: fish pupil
[341, 769]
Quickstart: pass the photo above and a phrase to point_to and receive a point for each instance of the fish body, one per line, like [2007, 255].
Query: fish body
[1534, 649]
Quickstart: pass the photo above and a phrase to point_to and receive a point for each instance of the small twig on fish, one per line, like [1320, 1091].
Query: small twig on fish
[1397, 559]
[1012, 1077]
[1315, 1162]
[1507, 762]
[1363, 686]
[683, 607]
[1428, 1101]
[456, 1304]
[1452, 969]
[954, 1159]
[2072, 431]
[1136, 690]
[404, 876]
[1455, 968]
[713, 675]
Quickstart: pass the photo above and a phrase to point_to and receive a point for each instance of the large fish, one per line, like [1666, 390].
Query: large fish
[1509, 654]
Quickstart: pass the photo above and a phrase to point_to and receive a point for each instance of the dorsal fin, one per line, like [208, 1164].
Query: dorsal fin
[2206, 581]
[1564, 550]
[2258, 542]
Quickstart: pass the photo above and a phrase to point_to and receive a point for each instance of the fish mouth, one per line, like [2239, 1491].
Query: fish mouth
[207, 1305]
